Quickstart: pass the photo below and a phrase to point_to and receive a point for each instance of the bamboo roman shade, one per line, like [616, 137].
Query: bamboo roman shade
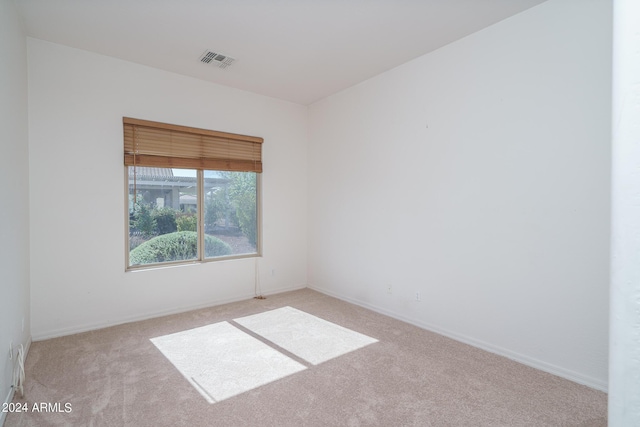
[163, 145]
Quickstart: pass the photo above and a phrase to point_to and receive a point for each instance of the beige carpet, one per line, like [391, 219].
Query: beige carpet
[408, 377]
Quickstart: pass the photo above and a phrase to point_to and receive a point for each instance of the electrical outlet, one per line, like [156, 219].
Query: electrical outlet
[418, 297]
[273, 271]
[389, 289]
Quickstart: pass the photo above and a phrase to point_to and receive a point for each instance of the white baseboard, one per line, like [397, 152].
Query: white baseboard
[525, 360]
[55, 333]
[12, 391]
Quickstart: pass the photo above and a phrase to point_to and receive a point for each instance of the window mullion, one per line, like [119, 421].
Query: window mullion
[200, 205]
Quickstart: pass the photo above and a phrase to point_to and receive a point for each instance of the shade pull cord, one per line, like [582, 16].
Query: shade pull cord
[18, 371]
[257, 289]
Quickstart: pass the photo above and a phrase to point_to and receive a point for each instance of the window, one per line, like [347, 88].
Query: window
[193, 194]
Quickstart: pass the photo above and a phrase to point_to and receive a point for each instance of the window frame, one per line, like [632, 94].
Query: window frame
[200, 259]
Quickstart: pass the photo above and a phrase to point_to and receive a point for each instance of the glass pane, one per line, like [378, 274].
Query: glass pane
[163, 215]
[230, 213]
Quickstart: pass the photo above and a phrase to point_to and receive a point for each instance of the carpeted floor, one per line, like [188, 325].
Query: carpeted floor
[409, 377]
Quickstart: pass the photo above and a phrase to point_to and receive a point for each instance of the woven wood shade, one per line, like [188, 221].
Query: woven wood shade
[164, 145]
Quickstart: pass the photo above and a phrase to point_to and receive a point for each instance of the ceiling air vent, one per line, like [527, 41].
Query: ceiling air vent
[217, 59]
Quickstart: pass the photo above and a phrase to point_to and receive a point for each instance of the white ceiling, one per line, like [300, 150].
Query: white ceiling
[296, 50]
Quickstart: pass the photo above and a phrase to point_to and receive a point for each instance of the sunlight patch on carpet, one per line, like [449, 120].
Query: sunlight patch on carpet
[308, 337]
[221, 361]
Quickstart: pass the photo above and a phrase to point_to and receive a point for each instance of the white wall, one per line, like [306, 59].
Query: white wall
[76, 103]
[624, 354]
[14, 198]
[478, 177]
